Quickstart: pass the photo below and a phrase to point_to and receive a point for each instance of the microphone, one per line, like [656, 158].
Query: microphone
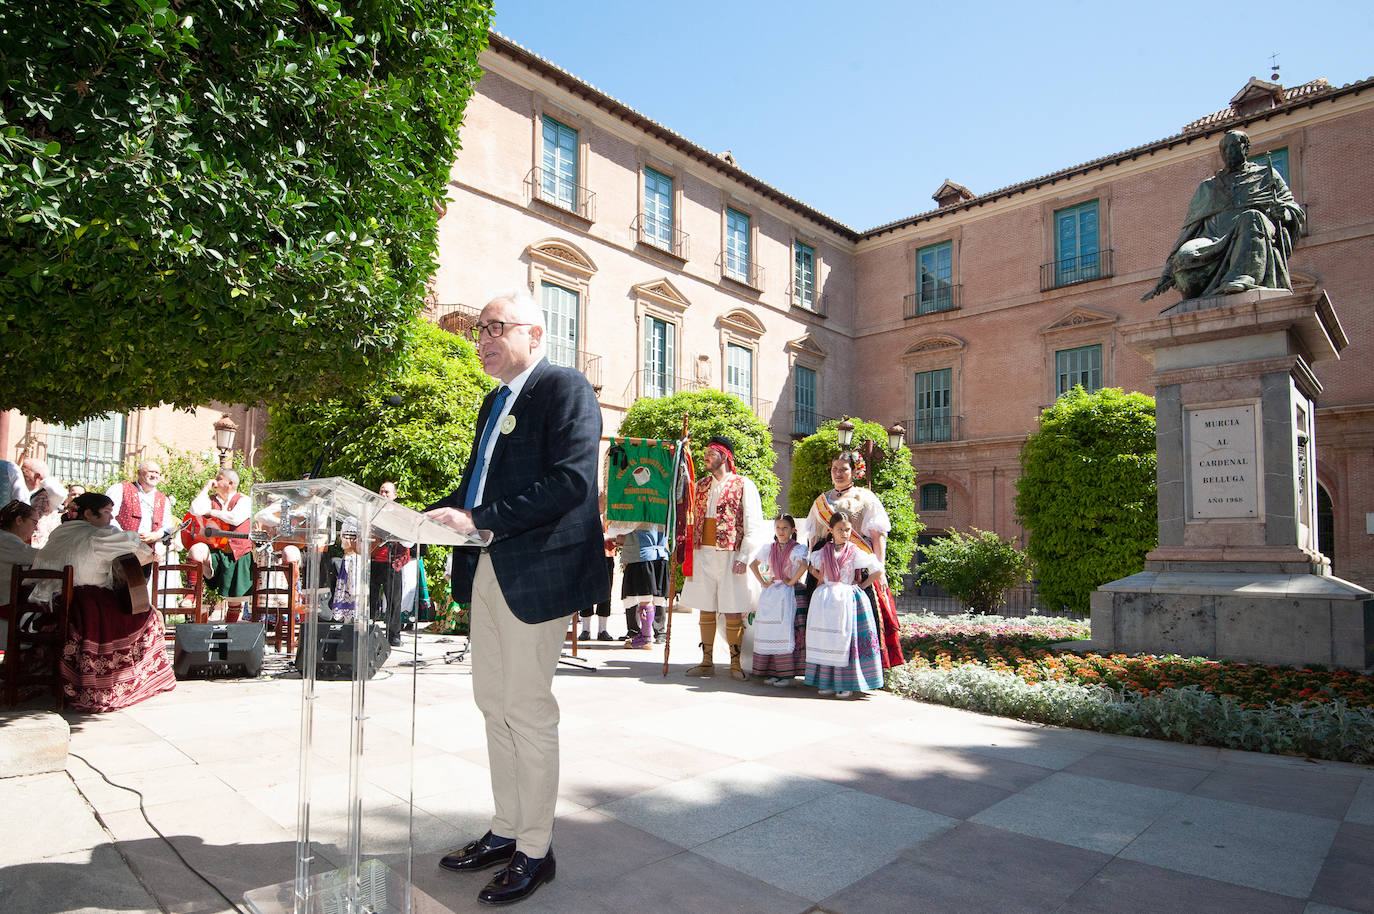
[390, 402]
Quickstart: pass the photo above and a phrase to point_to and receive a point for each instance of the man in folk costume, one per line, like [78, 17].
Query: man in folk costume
[729, 529]
[140, 507]
[229, 568]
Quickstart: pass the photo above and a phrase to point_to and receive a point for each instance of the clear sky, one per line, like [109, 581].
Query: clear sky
[862, 109]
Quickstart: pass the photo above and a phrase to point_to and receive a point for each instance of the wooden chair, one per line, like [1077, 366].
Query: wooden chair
[47, 631]
[281, 612]
[162, 577]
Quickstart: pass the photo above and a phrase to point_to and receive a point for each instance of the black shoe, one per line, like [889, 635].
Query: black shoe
[585, 636]
[659, 639]
[479, 855]
[519, 880]
[604, 636]
[395, 640]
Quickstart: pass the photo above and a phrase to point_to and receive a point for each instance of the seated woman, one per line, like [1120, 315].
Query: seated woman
[17, 523]
[114, 658]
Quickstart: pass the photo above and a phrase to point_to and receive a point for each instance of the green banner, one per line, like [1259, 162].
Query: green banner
[639, 485]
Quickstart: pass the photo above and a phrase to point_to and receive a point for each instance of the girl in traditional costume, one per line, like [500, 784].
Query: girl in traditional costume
[842, 650]
[780, 616]
[871, 526]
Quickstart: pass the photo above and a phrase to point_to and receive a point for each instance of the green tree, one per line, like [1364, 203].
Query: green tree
[1086, 493]
[893, 483]
[711, 412]
[204, 200]
[422, 444]
[976, 567]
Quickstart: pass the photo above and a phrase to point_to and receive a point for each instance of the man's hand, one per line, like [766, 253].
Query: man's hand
[739, 568]
[456, 518]
[150, 537]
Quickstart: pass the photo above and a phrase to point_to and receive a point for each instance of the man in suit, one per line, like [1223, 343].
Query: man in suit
[531, 481]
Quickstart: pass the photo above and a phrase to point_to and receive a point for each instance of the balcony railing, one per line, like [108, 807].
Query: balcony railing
[459, 319]
[740, 270]
[657, 233]
[1070, 270]
[929, 301]
[932, 429]
[557, 191]
[655, 384]
[810, 300]
[585, 362]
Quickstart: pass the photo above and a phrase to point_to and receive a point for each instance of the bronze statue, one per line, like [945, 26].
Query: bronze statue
[1239, 230]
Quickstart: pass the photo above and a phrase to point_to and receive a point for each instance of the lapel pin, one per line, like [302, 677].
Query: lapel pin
[507, 425]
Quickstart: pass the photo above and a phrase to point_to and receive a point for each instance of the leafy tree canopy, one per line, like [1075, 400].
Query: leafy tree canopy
[1087, 493]
[219, 200]
[422, 444]
[893, 483]
[976, 567]
[711, 412]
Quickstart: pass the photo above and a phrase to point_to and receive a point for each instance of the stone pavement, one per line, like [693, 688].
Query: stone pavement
[697, 796]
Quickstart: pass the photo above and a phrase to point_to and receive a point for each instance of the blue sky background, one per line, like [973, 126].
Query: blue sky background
[863, 109]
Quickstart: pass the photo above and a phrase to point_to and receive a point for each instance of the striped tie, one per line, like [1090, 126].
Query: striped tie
[470, 499]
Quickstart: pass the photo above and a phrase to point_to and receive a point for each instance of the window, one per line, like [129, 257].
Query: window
[934, 278]
[739, 372]
[658, 357]
[658, 210]
[932, 406]
[736, 246]
[804, 275]
[558, 180]
[1075, 244]
[1081, 366]
[560, 324]
[934, 497]
[88, 452]
[803, 401]
[1280, 159]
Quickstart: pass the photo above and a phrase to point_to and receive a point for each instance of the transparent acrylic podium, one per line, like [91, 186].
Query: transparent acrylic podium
[342, 864]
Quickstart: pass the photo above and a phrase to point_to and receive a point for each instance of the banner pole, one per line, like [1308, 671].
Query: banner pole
[672, 551]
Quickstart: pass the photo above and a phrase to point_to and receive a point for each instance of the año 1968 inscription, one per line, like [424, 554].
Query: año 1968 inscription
[1224, 472]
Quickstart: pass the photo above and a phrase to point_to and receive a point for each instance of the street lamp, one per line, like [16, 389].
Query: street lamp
[225, 430]
[896, 436]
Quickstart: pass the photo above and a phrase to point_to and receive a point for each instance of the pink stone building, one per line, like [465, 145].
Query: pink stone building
[663, 266]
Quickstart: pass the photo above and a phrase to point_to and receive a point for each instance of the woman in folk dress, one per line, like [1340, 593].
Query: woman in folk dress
[871, 526]
[780, 616]
[843, 655]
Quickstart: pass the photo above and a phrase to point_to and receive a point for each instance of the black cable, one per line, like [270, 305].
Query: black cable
[159, 833]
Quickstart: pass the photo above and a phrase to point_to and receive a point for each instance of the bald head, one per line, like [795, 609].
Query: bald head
[35, 471]
[510, 335]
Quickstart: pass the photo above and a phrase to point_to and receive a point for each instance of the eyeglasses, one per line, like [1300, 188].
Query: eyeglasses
[494, 329]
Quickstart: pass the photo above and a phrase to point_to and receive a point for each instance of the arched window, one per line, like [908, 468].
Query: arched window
[934, 497]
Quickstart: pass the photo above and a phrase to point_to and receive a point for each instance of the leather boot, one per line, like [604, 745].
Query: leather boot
[708, 640]
[734, 635]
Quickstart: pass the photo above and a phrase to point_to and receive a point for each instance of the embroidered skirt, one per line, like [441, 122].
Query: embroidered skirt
[113, 659]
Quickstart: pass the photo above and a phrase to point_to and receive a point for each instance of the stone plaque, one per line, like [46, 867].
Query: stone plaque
[1224, 471]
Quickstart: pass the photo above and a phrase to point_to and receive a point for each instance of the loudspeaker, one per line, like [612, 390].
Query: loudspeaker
[224, 649]
[334, 657]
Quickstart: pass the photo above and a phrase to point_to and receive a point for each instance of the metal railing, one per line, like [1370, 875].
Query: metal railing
[932, 429]
[654, 384]
[81, 458]
[557, 191]
[458, 319]
[659, 234]
[816, 302]
[930, 598]
[942, 298]
[1070, 270]
[586, 362]
[745, 272]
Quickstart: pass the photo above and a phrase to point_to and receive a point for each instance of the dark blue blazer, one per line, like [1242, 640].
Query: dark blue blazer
[540, 500]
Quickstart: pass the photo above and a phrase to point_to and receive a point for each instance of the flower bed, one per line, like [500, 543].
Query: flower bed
[1006, 666]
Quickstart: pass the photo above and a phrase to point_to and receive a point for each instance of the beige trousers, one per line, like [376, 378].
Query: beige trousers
[513, 663]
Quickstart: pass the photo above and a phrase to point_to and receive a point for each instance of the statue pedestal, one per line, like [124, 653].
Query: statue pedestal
[1237, 573]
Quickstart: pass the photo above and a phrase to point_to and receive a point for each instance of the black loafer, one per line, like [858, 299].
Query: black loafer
[519, 880]
[478, 855]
